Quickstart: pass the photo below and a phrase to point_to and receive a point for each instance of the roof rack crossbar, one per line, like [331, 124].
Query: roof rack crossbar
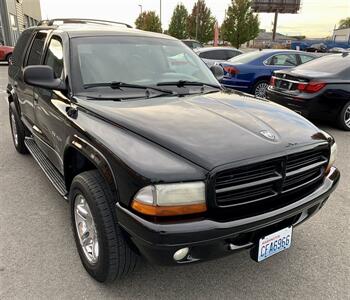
[80, 21]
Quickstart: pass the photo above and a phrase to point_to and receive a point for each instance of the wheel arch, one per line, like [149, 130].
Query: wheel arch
[12, 98]
[261, 78]
[80, 156]
[7, 55]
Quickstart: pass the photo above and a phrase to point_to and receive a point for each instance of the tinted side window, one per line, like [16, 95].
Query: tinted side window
[230, 54]
[37, 49]
[54, 56]
[215, 54]
[283, 60]
[305, 58]
[197, 45]
[20, 48]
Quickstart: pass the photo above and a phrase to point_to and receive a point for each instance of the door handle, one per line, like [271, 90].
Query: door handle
[36, 97]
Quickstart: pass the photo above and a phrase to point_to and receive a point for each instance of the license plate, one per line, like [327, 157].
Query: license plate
[274, 243]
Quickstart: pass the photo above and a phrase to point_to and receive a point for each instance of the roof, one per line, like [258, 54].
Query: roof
[90, 27]
[216, 48]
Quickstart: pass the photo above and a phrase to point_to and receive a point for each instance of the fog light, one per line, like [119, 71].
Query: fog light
[181, 254]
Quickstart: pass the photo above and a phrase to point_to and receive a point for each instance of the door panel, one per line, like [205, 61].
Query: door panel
[48, 109]
[23, 90]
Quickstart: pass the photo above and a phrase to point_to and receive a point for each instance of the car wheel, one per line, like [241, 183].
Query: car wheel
[344, 117]
[9, 58]
[101, 244]
[260, 88]
[17, 129]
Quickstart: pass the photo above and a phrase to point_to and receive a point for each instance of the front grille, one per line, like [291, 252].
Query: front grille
[266, 185]
[304, 168]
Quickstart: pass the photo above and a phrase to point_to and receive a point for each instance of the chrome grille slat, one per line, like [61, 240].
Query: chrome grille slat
[249, 185]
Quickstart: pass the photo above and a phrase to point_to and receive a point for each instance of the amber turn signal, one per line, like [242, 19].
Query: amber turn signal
[166, 211]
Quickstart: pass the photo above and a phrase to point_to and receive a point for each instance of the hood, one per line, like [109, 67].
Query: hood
[210, 130]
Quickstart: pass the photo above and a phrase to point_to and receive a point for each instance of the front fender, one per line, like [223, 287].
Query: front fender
[133, 161]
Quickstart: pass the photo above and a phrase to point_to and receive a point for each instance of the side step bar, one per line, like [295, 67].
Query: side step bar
[50, 171]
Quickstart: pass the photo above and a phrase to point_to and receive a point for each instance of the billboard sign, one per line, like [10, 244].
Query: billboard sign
[281, 6]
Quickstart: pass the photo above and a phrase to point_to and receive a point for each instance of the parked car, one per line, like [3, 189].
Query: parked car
[193, 44]
[213, 55]
[157, 160]
[319, 89]
[320, 47]
[6, 53]
[251, 72]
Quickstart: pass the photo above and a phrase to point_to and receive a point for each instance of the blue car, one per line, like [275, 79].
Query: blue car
[251, 72]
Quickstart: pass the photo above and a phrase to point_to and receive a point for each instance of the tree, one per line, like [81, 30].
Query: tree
[205, 27]
[345, 23]
[178, 23]
[240, 25]
[148, 21]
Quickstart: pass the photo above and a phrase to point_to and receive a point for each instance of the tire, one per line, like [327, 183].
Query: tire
[260, 88]
[17, 129]
[113, 258]
[9, 58]
[344, 117]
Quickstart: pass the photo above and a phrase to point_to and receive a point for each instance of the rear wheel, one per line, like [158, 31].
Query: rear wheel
[17, 129]
[260, 88]
[344, 117]
[9, 58]
[101, 244]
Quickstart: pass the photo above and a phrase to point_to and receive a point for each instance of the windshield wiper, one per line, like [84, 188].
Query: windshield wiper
[183, 83]
[118, 85]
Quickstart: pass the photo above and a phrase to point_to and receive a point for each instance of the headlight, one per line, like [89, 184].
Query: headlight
[333, 156]
[171, 199]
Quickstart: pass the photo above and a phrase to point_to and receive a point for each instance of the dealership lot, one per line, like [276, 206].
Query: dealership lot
[38, 258]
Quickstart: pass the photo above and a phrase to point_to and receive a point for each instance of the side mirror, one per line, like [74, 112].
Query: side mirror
[218, 72]
[43, 77]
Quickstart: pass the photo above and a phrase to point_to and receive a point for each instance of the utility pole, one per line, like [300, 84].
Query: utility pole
[160, 12]
[275, 26]
[197, 20]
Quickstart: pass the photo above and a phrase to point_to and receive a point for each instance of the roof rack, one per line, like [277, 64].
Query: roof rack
[80, 21]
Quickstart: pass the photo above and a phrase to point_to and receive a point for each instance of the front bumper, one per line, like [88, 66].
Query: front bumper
[208, 239]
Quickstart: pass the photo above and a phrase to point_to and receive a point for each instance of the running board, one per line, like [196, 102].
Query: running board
[50, 171]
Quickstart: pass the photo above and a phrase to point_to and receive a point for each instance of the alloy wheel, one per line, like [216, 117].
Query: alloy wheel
[260, 90]
[86, 229]
[347, 116]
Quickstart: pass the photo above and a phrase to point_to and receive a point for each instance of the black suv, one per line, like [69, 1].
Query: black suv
[155, 158]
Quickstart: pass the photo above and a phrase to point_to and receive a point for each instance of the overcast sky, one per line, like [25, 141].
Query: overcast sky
[317, 18]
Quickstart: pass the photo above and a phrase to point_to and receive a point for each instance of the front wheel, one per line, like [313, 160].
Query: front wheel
[344, 117]
[102, 247]
[260, 88]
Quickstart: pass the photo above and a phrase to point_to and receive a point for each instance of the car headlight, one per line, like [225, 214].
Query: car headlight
[333, 156]
[171, 199]
[334, 150]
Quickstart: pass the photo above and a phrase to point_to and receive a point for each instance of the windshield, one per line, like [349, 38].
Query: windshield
[246, 57]
[134, 60]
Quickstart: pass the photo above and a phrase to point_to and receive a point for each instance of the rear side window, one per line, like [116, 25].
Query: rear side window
[230, 54]
[283, 60]
[305, 58]
[54, 56]
[20, 48]
[215, 54]
[37, 49]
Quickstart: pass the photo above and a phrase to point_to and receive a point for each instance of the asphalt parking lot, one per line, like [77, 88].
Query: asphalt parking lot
[38, 259]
